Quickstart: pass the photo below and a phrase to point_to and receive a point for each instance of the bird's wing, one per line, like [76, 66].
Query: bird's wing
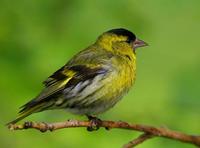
[64, 79]
[84, 66]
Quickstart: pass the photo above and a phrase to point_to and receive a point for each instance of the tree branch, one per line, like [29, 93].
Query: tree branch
[138, 140]
[149, 131]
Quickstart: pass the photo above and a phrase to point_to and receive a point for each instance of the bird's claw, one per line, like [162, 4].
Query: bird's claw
[27, 124]
[94, 122]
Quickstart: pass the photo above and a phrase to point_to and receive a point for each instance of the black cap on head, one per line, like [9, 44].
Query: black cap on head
[123, 32]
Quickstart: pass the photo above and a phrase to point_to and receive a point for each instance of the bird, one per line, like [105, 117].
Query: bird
[93, 81]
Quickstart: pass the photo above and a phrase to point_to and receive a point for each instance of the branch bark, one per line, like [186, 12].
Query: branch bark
[138, 140]
[149, 131]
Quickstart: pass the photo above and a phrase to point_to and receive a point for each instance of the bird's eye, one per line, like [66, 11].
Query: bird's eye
[128, 40]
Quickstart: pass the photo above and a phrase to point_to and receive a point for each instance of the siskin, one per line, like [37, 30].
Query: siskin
[93, 81]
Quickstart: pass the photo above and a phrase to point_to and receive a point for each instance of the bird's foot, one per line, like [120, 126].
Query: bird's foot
[27, 124]
[95, 123]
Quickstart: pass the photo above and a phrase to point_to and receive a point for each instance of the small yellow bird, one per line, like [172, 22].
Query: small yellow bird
[94, 80]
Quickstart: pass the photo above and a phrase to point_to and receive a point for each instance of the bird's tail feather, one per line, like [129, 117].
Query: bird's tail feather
[26, 112]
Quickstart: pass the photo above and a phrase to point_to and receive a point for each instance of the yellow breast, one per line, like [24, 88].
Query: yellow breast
[124, 77]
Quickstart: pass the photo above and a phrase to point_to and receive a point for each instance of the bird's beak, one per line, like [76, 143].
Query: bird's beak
[139, 43]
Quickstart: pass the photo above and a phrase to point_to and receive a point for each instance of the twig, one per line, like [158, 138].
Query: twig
[154, 131]
[138, 140]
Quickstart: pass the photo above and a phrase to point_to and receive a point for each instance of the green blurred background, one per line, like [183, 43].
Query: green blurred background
[39, 36]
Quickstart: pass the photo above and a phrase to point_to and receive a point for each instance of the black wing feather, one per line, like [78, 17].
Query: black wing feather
[83, 73]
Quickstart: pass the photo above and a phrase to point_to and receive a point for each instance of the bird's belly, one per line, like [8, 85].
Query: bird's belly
[107, 96]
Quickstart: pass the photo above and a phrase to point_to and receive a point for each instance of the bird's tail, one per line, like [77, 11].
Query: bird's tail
[26, 111]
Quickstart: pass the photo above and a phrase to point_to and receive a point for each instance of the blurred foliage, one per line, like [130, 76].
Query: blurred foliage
[39, 36]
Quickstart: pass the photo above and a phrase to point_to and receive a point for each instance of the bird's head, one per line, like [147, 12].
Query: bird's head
[120, 38]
